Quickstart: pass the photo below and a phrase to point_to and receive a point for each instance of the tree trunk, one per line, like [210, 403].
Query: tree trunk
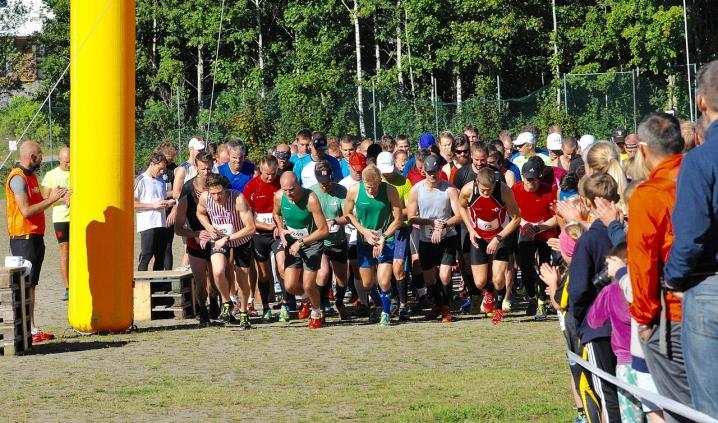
[260, 49]
[360, 94]
[377, 57]
[459, 100]
[408, 53]
[200, 76]
[400, 75]
[154, 35]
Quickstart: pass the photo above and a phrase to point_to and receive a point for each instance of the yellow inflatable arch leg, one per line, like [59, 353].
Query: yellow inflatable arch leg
[102, 134]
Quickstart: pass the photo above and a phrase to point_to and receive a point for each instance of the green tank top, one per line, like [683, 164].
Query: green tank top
[332, 206]
[298, 218]
[373, 213]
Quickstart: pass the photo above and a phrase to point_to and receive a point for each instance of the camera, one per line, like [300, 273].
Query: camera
[601, 279]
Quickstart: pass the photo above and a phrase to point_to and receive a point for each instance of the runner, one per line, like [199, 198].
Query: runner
[377, 217]
[489, 211]
[238, 171]
[303, 140]
[302, 228]
[433, 204]
[230, 224]
[331, 196]
[188, 226]
[390, 175]
[187, 170]
[304, 166]
[259, 193]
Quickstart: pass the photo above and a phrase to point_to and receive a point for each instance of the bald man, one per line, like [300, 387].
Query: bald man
[26, 218]
[60, 177]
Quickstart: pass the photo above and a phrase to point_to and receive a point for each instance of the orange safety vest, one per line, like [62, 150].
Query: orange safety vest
[17, 224]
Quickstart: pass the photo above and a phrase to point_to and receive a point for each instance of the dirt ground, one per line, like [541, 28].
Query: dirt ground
[469, 370]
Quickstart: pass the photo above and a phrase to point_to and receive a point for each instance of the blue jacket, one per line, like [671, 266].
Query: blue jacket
[695, 217]
[588, 259]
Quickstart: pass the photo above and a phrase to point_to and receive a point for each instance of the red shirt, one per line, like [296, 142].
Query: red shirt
[414, 176]
[535, 207]
[260, 198]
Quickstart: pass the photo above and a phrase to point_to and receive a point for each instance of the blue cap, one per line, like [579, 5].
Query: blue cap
[426, 140]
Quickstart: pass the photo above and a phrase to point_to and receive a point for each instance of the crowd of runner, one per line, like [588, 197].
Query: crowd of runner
[391, 231]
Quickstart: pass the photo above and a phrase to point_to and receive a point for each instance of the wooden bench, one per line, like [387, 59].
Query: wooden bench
[167, 294]
[15, 325]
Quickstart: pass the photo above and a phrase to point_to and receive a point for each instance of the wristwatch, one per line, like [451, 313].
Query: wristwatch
[499, 238]
[301, 242]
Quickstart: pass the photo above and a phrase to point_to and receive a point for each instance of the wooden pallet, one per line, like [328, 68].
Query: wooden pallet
[15, 326]
[163, 295]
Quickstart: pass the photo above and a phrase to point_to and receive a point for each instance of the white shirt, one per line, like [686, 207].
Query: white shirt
[350, 230]
[308, 177]
[149, 190]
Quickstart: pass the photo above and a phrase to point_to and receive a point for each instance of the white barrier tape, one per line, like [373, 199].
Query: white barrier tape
[659, 400]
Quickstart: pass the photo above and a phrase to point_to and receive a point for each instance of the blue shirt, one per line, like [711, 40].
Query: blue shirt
[305, 161]
[515, 169]
[238, 181]
[410, 164]
[344, 163]
[695, 216]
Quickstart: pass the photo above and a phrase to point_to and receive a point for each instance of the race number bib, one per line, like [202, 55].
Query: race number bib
[487, 226]
[298, 233]
[429, 231]
[225, 229]
[267, 218]
[334, 228]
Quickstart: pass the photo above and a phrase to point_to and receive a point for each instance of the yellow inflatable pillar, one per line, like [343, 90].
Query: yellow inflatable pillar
[102, 134]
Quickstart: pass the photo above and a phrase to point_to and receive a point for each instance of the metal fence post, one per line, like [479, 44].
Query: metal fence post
[635, 119]
[565, 94]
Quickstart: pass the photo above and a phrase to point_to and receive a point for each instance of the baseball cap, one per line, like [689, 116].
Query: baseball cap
[618, 136]
[196, 144]
[426, 140]
[586, 141]
[431, 164]
[357, 161]
[525, 137]
[385, 162]
[319, 143]
[323, 175]
[530, 171]
[554, 141]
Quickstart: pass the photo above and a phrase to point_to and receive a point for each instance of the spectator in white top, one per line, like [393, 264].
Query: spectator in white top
[150, 205]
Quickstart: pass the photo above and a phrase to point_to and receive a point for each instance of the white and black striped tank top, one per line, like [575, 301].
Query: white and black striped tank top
[226, 216]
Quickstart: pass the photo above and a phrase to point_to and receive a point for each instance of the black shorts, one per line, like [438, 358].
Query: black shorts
[337, 253]
[309, 257]
[444, 253]
[200, 253]
[62, 231]
[31, 249]
[263, 246]
[352, 252]
[243, 254]
[479, 256]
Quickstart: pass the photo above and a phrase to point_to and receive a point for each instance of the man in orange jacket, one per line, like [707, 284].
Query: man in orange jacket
[649, 239]
[26, 218]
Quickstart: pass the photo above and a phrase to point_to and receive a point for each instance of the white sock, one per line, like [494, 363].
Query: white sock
[251, 300]
[234, 299]
[316, 313]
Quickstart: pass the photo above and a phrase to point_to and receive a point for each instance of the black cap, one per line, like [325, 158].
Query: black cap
[320, 143]
[323, 175]
[618, 135]
[530, 171]
[431, 164]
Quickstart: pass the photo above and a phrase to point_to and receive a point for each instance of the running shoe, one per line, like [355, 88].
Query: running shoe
[434, 313]
[361, 310]
[394, 308]
[304, 311]
[446, 314]
[343, 313]
[225, 316]
[315, 322]
[498, 316]
[251, 310]
[375, 315]
[203, 317]
[487, 304]
[540, 311]
[506, 305]
[40, 336]
[531, 308]
[421, 304]
[244, 321]
[465, 306]
[475, 307]
[267, 317]
[384, 320]
[284, 314]
[67, 295]
[404, 314]
[214, 309]
[329, 311]
[581, 419]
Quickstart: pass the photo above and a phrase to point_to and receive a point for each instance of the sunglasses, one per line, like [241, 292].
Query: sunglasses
[282, 155]
[631, 146]
[464, 151]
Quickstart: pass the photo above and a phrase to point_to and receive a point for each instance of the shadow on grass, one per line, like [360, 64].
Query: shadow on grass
[190, 325]
[59, 347]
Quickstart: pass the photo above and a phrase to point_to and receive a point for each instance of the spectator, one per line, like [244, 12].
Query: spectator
[60, 177]
[150, 206]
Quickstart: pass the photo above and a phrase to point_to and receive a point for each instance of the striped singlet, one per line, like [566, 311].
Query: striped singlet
[225, 216]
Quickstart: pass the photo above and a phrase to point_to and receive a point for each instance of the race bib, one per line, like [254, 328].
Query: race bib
[487, 226]
[298, 233]
[334, 228]
[267, 218]
[225, 229]
[429, 230]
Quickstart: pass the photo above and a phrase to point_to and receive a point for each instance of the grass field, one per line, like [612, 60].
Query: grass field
[469, 370]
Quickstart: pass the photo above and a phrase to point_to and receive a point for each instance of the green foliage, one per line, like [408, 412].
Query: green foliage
[17, 115]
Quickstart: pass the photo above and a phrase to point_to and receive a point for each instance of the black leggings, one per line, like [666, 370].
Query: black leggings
[528, 265]
[152, 244]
